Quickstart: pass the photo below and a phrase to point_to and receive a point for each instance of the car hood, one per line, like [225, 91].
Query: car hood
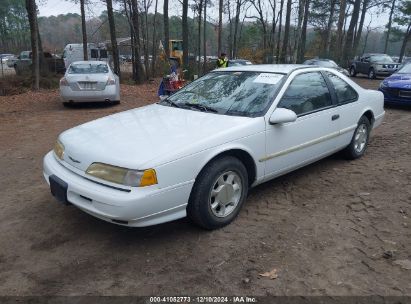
[400, 81]
[150, 136]
[341, 70]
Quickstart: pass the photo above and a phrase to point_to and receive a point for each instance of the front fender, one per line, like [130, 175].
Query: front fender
[187, 168]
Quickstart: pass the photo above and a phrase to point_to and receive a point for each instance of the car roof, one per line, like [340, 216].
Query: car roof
[374, 54]
[89, 62]
[267, 68]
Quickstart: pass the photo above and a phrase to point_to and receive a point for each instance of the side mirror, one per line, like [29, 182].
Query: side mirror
[282, 115]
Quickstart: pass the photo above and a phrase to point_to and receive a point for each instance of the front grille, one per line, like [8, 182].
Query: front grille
[404, 93]
[392, 91]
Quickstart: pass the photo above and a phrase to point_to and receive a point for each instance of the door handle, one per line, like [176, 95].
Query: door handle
[335, 117]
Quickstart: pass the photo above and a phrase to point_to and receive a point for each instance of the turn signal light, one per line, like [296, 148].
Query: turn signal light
[64, 82]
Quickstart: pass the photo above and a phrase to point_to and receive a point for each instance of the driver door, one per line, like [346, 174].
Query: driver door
[312, 136]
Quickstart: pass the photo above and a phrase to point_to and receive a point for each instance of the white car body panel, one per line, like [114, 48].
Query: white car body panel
[178, 143]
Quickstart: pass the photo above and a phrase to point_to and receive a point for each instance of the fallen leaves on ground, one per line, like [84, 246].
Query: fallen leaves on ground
[273, 274]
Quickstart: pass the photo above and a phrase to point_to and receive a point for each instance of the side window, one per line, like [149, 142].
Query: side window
[307, 92]
[94, 53]
[345, 93]
[103, 53]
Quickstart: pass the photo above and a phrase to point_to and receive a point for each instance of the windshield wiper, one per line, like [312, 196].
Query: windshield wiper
[201, 107]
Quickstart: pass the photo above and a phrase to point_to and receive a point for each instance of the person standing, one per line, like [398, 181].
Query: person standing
[222, 61]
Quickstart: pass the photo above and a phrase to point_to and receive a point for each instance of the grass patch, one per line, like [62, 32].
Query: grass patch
[18, 84]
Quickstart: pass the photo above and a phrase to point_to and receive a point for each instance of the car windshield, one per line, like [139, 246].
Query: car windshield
[87, 68]
[406, 69]
[326, 63]
[381, 58]
[230, 93]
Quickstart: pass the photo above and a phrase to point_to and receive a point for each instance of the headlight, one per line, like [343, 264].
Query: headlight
[123, 176]
[64, 82]
[383, 85]
[59, 149]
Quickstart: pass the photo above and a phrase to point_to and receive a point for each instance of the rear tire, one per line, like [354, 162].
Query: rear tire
[359, 141]
[218, 194]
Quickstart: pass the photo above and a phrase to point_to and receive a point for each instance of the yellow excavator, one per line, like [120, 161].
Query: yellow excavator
[176, 50]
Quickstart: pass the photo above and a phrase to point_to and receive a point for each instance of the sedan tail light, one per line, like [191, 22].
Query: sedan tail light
[64, 82]
[111, 81]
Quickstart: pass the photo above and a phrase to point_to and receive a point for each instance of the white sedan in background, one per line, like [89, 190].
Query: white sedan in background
[198, 152]
[86, 81]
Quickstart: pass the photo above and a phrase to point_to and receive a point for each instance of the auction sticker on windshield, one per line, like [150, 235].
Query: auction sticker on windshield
[268, 78]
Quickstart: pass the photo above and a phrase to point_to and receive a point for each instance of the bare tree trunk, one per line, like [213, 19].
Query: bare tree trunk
[83, 30]
[340, 25]
[113, 37]
[200, 12]
[261, 12]
[347, 53]
[286, 32]
[144, 30]
[153, 61]
[205, 37]
[236, 22]
[360, 27]
[230, 21]
[185, 33]
[32, 16]
[299, 25]
[405, 41]
[279, 32]
[366, 37]
[272, 36]
[220, 26]
[301, 51]
[329, 27]
[166, 29]
[389, 26]
[136, 32]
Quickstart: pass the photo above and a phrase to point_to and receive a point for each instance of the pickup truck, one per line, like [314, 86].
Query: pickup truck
[373, 65]
[23, 63]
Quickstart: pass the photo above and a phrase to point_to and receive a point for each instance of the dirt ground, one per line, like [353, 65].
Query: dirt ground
[336, 227]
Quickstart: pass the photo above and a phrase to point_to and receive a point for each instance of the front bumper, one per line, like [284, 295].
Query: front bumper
[391, 96]
[138, 208]
[110, 92]
[385, 72]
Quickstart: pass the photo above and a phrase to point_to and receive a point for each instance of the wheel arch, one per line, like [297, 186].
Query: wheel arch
[370, 116]
[242, 155]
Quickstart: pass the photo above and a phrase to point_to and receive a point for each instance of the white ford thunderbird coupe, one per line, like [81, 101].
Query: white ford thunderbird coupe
[198, 152]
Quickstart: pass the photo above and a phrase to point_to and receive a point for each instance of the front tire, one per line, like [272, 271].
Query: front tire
[353, 72]
[218, 194]
[359, 141]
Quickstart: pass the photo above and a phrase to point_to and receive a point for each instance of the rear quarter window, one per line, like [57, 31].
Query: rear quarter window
[345, 93]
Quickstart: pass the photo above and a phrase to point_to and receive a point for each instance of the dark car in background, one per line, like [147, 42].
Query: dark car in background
[397, 87]
[373, 65]
[327, 63]
[54, 63]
